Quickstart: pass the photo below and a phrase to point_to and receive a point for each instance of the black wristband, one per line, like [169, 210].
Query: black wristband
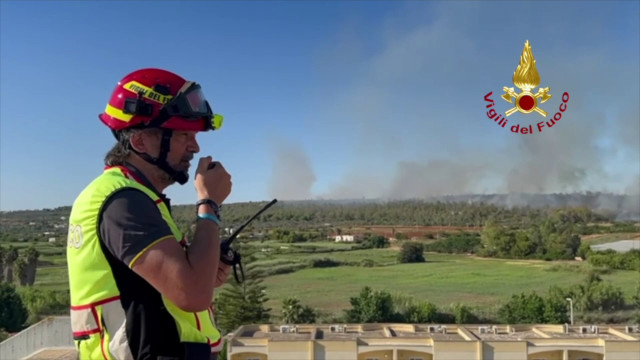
[215, 207]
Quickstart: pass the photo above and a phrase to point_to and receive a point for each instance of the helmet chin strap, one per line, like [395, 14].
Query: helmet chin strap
[181, 177]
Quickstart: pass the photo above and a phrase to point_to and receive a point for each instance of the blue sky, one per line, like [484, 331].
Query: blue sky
[330, 99]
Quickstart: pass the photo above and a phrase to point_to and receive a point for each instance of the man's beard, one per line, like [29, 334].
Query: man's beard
[182, 166]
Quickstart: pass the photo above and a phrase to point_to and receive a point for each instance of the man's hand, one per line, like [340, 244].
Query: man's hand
[212, 182]
[223, 273]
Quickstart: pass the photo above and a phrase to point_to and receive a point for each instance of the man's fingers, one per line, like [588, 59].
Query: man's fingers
[204, 162]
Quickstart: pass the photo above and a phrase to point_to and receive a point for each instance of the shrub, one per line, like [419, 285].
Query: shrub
[411, 253]
[463, 314]
[39, 302]
[324, 262]
[456, 244]
[13, 313]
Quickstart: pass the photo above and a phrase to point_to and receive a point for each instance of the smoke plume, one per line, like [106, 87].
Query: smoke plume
[292, 176]
[410, 105]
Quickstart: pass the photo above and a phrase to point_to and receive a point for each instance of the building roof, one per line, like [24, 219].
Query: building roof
[436, 332]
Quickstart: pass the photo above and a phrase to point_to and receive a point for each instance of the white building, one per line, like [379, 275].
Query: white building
[346, 238]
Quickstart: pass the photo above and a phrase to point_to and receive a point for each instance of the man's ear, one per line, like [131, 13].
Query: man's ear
[139, 142]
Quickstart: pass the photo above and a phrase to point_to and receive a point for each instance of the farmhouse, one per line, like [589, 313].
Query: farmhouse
[347, 238]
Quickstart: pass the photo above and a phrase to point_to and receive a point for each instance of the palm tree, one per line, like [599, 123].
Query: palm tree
[20, 271]
[31, 256]
[9, 258]
[3, 251]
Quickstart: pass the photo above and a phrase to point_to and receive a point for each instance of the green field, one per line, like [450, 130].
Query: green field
[444, 279]
[52, 266]
[52, 278]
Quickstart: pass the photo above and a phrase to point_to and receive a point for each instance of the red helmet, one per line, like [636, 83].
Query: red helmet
[159, 98]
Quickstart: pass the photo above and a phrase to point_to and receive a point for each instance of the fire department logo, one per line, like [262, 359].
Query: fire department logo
[526, 78]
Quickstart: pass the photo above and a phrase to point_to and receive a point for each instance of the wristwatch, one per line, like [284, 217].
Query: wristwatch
[215, 207]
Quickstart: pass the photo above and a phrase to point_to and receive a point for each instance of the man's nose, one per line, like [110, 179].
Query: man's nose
[196, 147]
[193, 146]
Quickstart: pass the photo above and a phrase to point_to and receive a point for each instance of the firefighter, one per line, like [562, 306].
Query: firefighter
[138, 289]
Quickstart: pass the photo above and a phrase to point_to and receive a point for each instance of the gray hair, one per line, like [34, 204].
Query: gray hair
[121, 150]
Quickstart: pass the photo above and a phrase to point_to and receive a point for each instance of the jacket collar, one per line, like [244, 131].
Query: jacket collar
[134, 173]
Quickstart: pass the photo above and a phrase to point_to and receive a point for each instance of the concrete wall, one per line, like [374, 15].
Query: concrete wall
[455, 350]
[504, 350]
[290, 350]
[334, 350]
[617, 350]
[53, 331]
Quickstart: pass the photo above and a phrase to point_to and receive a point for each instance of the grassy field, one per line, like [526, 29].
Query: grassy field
[442, 280]
[52, 266]
[52, 278]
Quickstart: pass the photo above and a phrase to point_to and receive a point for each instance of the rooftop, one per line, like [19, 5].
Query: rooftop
[446, 332]
[504, 334]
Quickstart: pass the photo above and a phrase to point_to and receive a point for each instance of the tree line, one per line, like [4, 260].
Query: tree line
[611, 259]
[393, 213]
[552, 237]
[298, 215]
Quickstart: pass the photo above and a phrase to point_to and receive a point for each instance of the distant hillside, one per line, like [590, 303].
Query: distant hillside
[456, 210]
[619, 207]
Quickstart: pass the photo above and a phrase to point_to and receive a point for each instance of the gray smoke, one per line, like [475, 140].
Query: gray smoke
[292, 176]
[411, 106]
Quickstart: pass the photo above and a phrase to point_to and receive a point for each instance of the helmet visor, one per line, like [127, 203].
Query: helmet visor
[196, 101]
[191, 104]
